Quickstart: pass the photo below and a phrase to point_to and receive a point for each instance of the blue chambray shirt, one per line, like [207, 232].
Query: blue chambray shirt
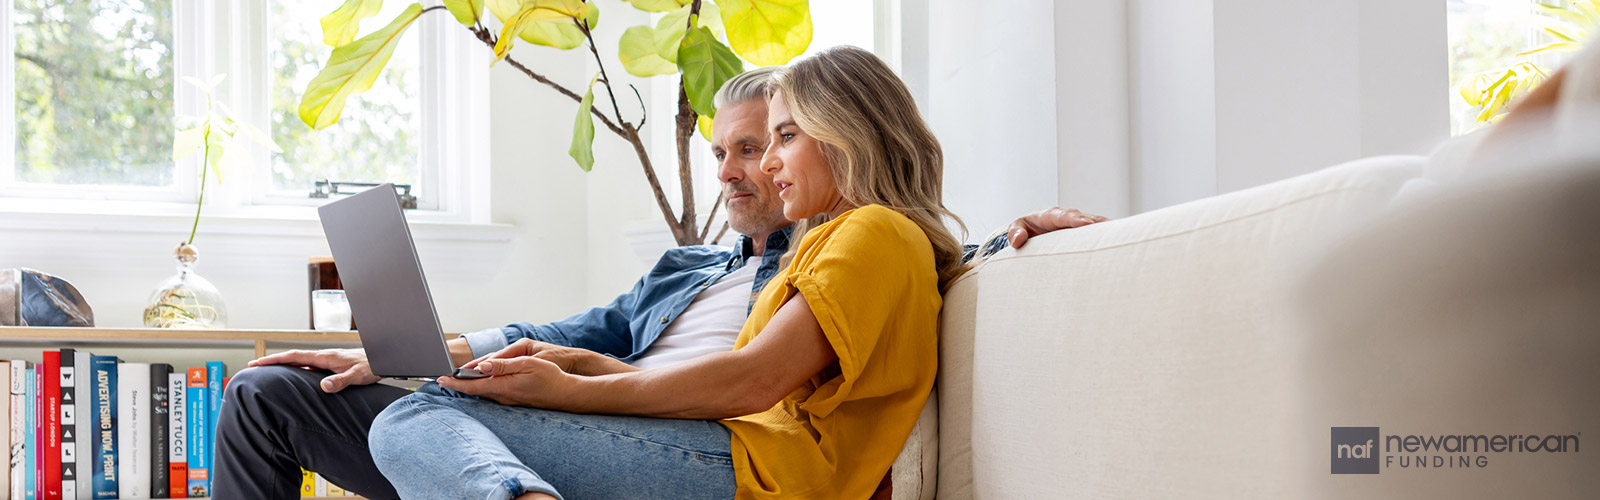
[628, 325]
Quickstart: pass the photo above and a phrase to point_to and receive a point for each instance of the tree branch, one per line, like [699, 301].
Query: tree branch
[603, 77]
[489, 39]
[711, 218]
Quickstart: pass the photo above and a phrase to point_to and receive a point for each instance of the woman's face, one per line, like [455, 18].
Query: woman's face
[799, 170]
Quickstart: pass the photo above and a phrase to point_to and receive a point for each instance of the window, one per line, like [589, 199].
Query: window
[376, 139]
[94, 95]
[91, 99]
[1490, 37]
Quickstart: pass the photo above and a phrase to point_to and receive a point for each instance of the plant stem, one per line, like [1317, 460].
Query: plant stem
[617, 110]
[206, 154]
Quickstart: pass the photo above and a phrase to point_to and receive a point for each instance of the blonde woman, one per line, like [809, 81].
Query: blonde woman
[826, 379]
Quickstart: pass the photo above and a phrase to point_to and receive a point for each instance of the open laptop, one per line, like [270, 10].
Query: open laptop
[383, 280]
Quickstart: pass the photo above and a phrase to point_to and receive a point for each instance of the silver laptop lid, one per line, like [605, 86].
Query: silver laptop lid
[383, 279]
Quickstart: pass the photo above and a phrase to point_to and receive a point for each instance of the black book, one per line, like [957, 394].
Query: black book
[159, 473]
[69, 425]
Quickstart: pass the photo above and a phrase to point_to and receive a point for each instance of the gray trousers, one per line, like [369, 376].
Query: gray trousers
[276, 420]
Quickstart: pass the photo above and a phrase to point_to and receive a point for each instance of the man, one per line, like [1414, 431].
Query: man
[279, 419]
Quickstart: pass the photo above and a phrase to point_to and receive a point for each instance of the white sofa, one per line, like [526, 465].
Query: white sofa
[1169, 355]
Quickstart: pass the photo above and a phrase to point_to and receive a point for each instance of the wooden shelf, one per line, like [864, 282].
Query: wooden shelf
[259, 339]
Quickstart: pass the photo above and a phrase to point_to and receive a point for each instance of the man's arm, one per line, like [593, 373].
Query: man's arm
[1044, 221]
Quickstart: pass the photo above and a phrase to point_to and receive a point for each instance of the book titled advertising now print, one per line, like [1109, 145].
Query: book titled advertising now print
[159, 439]
[178, 432]
[19, 424]
[199, 435]
[133, 431]
[69, 424]
[105, 429]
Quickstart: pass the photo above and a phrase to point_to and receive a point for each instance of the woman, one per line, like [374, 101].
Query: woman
[826, 379]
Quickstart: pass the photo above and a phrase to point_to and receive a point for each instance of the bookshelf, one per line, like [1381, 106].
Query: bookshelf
[113, 339]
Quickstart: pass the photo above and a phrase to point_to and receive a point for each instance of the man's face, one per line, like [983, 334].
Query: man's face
[738, 138]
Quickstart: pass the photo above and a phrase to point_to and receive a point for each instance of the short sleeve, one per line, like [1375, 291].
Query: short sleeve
[858, 277]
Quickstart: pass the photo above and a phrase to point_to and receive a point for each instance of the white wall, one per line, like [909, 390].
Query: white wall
[1120, 107]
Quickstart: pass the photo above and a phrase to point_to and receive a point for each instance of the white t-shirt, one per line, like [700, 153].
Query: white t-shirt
[710, 324]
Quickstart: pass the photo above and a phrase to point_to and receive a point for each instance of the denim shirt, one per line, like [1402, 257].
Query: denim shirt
[628, 325]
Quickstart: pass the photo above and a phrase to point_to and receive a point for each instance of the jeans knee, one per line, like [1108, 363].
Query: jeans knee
[395, 432]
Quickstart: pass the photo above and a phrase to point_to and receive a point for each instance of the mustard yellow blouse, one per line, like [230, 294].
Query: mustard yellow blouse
[869, 278]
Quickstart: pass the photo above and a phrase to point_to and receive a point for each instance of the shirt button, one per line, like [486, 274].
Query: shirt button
[663, 320]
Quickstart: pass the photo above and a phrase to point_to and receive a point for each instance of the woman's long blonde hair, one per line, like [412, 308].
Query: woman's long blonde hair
[874, 137]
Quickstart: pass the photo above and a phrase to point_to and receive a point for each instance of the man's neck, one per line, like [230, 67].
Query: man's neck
[758, 243]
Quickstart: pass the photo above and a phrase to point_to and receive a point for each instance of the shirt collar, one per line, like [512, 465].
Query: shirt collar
[745, 248]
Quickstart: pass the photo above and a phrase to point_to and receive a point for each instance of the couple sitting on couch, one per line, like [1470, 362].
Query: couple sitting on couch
[669, 391]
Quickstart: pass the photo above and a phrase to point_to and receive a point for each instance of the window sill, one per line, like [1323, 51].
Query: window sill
[128, 218]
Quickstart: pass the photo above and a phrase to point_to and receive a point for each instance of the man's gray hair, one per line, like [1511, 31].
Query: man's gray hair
[747, 86]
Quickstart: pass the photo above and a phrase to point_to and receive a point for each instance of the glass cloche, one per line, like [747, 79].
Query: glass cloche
[186, 300]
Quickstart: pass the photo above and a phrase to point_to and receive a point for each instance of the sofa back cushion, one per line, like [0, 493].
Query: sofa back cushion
[1139, 358]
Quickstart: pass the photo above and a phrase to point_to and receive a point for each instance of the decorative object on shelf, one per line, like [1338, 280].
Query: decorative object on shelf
[692, 40]
[34, 298]
[330, 311]
[323, 276]
[186, 300]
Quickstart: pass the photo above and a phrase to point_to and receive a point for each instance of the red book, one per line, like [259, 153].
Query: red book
[50, 489]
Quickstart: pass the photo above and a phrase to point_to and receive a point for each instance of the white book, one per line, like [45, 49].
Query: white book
[19, 435]
[178, 425]
[322, 486]
[133, 430]
[5, 417]
[84, 426]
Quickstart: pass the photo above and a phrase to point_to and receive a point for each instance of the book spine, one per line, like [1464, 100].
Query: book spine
[35, 432]
[19, 428]
[308, 484]
[5, 413]
[159, 410]
[32, 430]
[133, 435]
[105, 406]
[83, 397]
[215, 372]
[199, 435]
[178, 427]
[69, 423]
[50, 465]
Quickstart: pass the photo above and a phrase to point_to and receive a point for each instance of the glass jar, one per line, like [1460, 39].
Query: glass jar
[186, 300]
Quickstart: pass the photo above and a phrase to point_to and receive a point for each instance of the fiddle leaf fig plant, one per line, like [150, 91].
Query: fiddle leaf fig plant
[703, 42]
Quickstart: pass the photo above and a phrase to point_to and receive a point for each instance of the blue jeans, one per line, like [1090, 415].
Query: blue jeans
[439, 444]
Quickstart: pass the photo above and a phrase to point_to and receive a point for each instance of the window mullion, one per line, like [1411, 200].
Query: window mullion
[8, 95]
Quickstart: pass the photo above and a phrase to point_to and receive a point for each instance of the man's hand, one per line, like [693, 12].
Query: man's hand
[1048, 220]
[570, 359]
[349, 366]
[524, 380]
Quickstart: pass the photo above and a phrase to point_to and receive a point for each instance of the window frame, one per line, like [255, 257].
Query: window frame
[232, 38]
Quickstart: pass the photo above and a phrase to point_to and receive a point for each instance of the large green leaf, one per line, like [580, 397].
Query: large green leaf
[637, 51]
[214, 150]
[343, 24]
[767, 32]
[706, 65]
[466, 11]
[660, 5]
[559, 33]
[670, 29]
[582, 149]
[351, 70]
[533, 13]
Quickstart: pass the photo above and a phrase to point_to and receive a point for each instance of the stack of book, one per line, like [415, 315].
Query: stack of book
[92, 427]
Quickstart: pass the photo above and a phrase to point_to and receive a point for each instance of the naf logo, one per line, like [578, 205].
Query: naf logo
[1355, 450]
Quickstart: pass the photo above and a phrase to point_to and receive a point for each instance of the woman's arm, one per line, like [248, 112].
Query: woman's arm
[790, 350]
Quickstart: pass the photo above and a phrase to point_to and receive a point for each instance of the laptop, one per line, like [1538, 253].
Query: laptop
[383, 280]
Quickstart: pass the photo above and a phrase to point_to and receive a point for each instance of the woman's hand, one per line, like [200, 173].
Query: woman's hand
[349, 366]
[525, 380]
[570, 359]
[1048, 220]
